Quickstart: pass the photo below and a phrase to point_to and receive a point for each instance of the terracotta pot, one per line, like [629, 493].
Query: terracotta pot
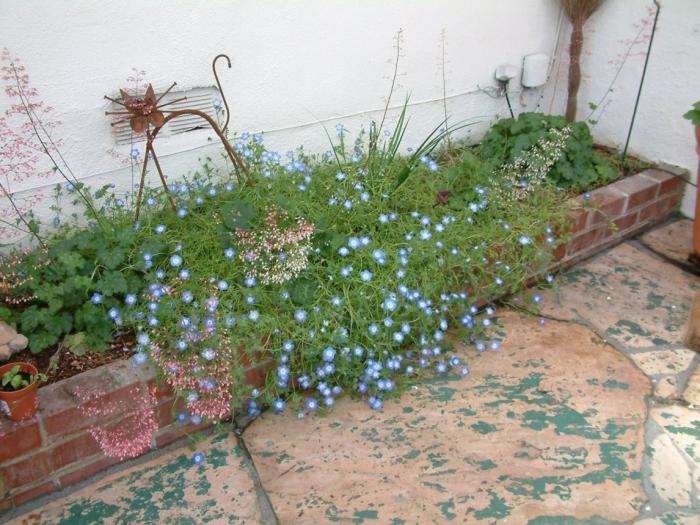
[20, 404]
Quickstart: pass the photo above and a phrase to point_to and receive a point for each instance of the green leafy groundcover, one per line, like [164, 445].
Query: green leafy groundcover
[580, 168]
[346, 270]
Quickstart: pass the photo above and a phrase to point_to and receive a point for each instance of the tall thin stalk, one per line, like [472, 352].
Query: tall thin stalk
[577, 11]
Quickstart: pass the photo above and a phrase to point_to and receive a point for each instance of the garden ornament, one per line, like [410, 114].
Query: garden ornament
[146, 115]
[10, 341]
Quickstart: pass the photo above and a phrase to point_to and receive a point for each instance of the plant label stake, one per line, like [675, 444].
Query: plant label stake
[146, 113]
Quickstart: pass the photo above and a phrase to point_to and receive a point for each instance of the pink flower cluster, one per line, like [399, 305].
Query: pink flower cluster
[274, 253]
[11, 278]
[131, 435]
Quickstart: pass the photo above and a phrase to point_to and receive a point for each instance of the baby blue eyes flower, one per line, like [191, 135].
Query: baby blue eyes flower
[300, 315]
[139, 358]
[198, 458]
[143, 339]
[222, 285]
[383, 219]
[113, 313]
[184, 274]
[216, 103]
[187, 296]
[254, 315]
[343, 251]
[181, 344]
[347, 205]
[329, 354]
[464, 371]
[366, 275]
[279, 405]
[340, 176]
[354, 243]
[389, 304]
[134, 153]
[229, 253]
[379, 256]
[425, 235]
[209, 354]
[336, 301]
[311, 404]
[249, 282]
[288, 346]
[537, 298]
[160, 228]
[373, 329]
[398, 337]
[524, 240]
[347, 270]
[175, 261]
[96, 298]
[250, 300]
[388, 322]
[182, 212]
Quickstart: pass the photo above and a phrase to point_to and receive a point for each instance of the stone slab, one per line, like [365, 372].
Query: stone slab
[636, 298]
[551, 426]
[169, 489]
[692, 388]
[673, 240]
[671, 361]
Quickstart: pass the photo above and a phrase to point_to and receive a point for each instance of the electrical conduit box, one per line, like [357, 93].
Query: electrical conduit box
[535, 68]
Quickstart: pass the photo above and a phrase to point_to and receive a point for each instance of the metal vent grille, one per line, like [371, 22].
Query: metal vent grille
[197, 98]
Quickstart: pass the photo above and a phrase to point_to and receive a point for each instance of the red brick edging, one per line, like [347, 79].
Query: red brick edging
[55, 450]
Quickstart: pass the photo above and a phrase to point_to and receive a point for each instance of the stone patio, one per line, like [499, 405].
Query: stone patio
[586, 416]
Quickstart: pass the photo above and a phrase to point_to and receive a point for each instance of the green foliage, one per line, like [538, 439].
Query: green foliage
[694, 114]
[72, 285]
[579, 169]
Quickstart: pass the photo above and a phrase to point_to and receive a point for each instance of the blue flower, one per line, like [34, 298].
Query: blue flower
[345, 271]
[175, 261]
[254, 315]
[279, 405]
[343, 251]
[222, 285]
[354, 243]
[329, 354]
[249, 282]
[524, 240]
[184, 274]
[209, 354]
[366, 275]
[311, 404]
[96, 298]
[160, 228]
[139, 358]
[198, 458]
[389, 304]
[300, 315]
[373, 329]
[336, 301]
[229, 253]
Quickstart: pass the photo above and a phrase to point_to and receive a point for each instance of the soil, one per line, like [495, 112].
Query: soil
[67, 364]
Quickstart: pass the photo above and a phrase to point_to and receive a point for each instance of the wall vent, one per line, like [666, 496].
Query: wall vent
[197, 98]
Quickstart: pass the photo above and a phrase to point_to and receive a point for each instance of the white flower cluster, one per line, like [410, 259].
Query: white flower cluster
[517, 179]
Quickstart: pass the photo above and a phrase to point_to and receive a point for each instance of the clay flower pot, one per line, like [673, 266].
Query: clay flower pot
[19, 404]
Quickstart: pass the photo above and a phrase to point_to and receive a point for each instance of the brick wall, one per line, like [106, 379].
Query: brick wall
[54, 449]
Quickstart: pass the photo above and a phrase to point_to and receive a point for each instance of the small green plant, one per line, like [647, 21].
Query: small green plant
[579, 168]
[694, 114]
[15, 379]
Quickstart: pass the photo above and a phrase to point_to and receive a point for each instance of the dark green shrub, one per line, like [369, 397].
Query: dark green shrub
[580, 168]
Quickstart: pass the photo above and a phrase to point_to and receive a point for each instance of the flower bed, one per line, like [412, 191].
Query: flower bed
[56, 448]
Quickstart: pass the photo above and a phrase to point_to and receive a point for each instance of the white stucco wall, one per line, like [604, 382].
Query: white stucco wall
[298, 62]
[671, 86]
[293, 63]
